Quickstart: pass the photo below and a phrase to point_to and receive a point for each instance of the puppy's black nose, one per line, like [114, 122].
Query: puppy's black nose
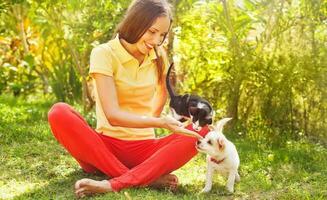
[198, 142]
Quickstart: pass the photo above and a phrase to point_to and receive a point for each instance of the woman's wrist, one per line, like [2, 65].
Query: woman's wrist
[158, 122]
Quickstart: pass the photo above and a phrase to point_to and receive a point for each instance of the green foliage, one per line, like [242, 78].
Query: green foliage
[261, 62]
[20, 119]
[45, 46]
[35, 166]
[255, 61]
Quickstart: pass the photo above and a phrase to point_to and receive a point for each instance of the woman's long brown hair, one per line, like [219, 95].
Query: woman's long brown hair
[141, 14]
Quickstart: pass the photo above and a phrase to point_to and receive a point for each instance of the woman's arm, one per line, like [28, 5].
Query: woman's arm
[108, 98]
[160, 99]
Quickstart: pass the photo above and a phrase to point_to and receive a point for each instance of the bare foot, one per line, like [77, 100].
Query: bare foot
[87, 186]
[168, 181]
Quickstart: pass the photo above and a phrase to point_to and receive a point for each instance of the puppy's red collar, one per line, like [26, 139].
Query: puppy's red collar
[217, 161]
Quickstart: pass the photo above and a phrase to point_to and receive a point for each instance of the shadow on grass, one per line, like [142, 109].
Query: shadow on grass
[62, 188]
[56, 189]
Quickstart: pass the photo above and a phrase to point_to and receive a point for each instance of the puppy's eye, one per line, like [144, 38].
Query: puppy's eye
[209, 142]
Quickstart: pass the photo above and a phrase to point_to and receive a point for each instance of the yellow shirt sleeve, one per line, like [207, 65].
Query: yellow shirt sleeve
[101, 61]
[135, 87]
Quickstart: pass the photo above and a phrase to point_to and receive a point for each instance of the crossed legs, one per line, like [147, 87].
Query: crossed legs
[129, 163]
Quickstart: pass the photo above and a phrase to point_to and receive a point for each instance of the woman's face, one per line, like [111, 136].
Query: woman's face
[154, 35]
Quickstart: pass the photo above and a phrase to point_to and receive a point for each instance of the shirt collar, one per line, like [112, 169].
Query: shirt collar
[123, 55]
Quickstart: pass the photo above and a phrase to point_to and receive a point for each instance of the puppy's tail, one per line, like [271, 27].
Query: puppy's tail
[170, 90]
[221, 123]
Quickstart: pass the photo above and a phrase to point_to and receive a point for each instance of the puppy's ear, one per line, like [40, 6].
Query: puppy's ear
[220, 124]
[221, 144]
[211, 127]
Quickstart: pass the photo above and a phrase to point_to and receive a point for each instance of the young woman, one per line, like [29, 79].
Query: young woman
[129, 76]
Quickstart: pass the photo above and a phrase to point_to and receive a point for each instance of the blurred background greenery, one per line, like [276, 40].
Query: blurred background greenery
[261, 62]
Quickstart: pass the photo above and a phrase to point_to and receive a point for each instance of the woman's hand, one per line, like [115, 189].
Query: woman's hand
[177, 127]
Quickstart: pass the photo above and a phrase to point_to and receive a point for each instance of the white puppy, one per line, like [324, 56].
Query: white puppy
[221, 156]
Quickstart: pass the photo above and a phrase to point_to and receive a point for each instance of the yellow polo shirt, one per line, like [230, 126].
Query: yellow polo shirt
[135, 86]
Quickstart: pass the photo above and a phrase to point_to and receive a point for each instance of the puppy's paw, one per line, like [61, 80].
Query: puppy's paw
[205, 190]
[237, 178]
[230, 188]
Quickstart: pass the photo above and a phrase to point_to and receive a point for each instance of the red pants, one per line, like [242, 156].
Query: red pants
[129, 163]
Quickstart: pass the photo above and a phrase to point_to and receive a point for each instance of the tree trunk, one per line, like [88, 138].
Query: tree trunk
[232, 106]
[18, 13]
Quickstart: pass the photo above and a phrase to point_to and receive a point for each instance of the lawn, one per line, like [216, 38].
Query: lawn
[34, 166]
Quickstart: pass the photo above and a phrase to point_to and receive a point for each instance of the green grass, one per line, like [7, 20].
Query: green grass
[34, 166]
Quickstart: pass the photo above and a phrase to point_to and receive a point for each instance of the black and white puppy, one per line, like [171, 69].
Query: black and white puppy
[184, 107]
